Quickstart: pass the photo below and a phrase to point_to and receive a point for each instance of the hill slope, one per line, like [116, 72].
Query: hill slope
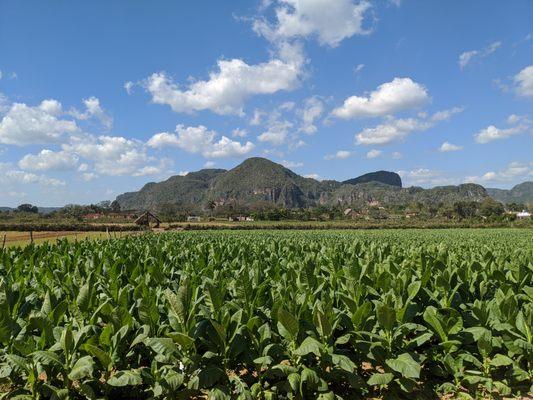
[261, 180]
[389, 178]
[521, 193]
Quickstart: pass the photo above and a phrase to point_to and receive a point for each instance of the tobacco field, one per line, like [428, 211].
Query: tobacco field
[270, 315]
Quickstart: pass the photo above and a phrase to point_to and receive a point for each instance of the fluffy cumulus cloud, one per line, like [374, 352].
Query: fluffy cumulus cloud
[524, 82]
[312, 109]
[25, 125]
[330, 21]
[339, 155]
[111, 155]
[398, 129]
[227, 89]
[448, 147]
[467, 57]
[512, 172]
[373, 153]
[13, 176]
[292, 164]
[200, 140]
[93, 109]
[277, 129]
[517, 125]
[389, 98]
[48, 160]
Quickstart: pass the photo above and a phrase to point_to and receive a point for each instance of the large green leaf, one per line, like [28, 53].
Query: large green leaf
[83, 368]
[309, 345]
[288, 326]
[125, 378]
[405, 365]
[380, 379]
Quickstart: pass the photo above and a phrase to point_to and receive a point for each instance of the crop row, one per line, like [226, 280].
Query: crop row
[259, 315]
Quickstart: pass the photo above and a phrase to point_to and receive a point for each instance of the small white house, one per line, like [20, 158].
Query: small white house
[523, 214]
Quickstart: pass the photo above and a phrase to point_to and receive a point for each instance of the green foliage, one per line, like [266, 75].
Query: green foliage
[270, 315]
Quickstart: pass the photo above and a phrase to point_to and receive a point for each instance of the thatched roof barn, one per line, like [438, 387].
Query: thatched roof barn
[146, 218]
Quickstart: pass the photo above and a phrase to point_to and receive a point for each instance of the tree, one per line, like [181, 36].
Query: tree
[465, 209]
[211, 205]
[29, 208]
[490, 207]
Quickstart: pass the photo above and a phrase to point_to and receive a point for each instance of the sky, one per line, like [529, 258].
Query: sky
[98, 98]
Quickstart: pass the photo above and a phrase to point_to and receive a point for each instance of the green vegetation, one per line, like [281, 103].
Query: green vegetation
[270, 315]
[258, 181]
[389, 178]
[521, 194]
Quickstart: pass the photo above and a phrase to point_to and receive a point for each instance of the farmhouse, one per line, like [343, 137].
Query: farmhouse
[523, 214]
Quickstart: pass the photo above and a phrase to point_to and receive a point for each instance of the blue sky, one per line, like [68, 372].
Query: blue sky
[98, 98]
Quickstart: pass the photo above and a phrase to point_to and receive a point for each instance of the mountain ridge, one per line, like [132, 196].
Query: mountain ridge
[259, 180]
[521, 193]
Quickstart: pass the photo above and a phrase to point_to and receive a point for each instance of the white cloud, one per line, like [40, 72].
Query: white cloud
[513, 172]
[312, 109]
[238, 132]
[358, 68]
[447, 147]
[524, 82]
[445, 115]
[12, 176]
[148, 170]
[277, 129]
[48, 160]
[93, 109]
[128, 86]
[313, 176]
[227, 89]
[389, 98]
[89, 176]
[398, 129]
[183, 173]
[112, 155]
[257, 117]
[425, 177]
[491, 133]
[209, 164]
[397, 155]
[25, 125]
[520, 124]
[292, 164]
[198, 139]
[330, 21]
[340, 155]
[468, 56]
[373, 154]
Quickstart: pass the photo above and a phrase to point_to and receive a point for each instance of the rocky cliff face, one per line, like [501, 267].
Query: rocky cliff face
[261, 180]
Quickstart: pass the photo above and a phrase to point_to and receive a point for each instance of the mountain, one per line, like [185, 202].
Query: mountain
[389, 178]
[521, 193]
[259, 180]
[181, 190]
